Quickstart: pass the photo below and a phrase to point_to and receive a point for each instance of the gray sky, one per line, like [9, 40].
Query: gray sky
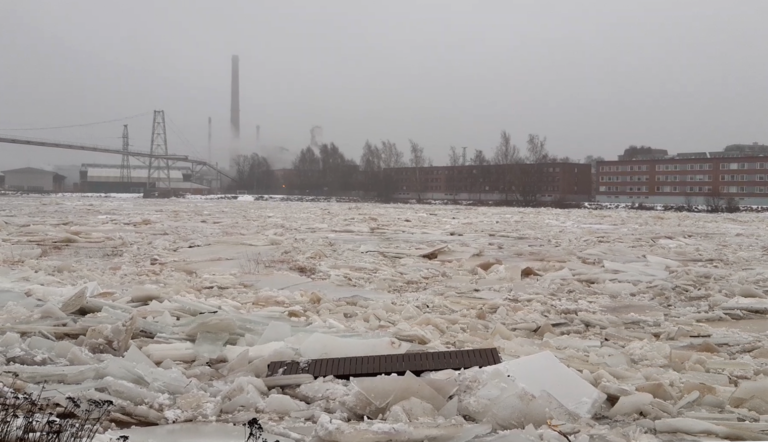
[593, 76]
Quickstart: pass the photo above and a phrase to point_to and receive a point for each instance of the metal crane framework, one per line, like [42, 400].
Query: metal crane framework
[146, 158]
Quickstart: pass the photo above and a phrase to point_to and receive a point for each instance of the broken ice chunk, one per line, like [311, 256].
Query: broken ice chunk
[137, 357]
[210, 344]
[258, 351]
[748, 390]
[275, 332]
[631, 404]
[544, 372]
[282, 404]
[179, 352]
[324, 346]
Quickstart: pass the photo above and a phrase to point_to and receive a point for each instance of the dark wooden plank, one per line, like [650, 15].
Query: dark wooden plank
[417, 363]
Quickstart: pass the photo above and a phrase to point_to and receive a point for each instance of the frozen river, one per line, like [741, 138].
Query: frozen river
[173, 308]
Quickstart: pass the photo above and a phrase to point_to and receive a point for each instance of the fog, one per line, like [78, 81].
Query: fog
[593, 76]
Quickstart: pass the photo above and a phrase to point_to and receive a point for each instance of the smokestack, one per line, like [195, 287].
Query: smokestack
[234, 112]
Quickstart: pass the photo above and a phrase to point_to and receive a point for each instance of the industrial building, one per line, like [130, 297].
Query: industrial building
[698, 178]
[571, 182]
[104, 178]
[31, 179]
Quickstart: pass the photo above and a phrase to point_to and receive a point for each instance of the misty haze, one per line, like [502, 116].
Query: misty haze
[347, 221]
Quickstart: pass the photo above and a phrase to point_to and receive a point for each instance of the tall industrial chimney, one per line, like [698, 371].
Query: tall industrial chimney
[234, 111]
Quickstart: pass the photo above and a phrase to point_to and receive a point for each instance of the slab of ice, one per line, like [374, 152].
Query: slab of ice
[544, 372]
[275, 332]
[258, 351]
[755, 305]
[325, 346]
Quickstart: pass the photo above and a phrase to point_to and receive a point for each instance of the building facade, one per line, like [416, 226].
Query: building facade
[690, 179]
[31, 179]
[105, 178]
[544, 182]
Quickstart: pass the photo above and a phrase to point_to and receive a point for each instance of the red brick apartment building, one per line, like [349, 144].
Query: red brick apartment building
[548, 182]
[692, 178]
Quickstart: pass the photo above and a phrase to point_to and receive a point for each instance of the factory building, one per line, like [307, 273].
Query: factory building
[31, 179]
[103, 178]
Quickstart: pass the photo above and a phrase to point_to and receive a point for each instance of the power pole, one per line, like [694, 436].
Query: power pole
[209, 140]
[159, 147]
[125, 164]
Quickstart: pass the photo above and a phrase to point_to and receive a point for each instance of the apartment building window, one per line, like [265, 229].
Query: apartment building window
[760, 177]
[761, 165]
[729, 189]
[742, 165]
[742, 189]
[742, 178]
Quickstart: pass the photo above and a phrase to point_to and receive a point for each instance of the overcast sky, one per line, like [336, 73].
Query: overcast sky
[593, 76]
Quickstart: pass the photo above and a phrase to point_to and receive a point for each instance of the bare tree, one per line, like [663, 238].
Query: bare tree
[506, 156]
[714, 200]
[418, 162]
[452, 180]
[688, 200]
[391, 156]
[479, 159]
[253, 173]
[529, 176]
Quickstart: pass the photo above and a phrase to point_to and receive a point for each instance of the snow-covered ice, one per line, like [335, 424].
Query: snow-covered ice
[643, 325]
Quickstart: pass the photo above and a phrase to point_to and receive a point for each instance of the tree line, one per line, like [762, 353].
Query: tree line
[327, 169]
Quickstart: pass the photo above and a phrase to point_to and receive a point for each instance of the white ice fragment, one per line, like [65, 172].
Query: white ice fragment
[255, 352]
[697, 427]
[275, 332]
[544, 372]
[324, 346]
[62, 349]
[416, 409]
[210, 344]
[282, 404]
[451, 409]
[50, 311]
[687, 399]
[137, 357]
[749, 292]
[746, 304]
[10, 339]
[40, 344]
[179, 352]
[628, 405]
[668, 263]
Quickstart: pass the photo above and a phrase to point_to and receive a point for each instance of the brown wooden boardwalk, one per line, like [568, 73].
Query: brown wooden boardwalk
[360, 366]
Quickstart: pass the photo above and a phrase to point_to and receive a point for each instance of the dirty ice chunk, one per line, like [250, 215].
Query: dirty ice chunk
[748, 390]
[325, 346]
[632, 404]
[544, 372]
[668, 263]
[275, 332]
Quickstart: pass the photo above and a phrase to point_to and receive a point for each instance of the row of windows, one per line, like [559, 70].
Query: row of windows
[632, 168]
[726, 166]
[700, 166]
[742, 177]
[742, 189]
[683, 177]
[616, 179]
[623, 188]
[688, 189]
